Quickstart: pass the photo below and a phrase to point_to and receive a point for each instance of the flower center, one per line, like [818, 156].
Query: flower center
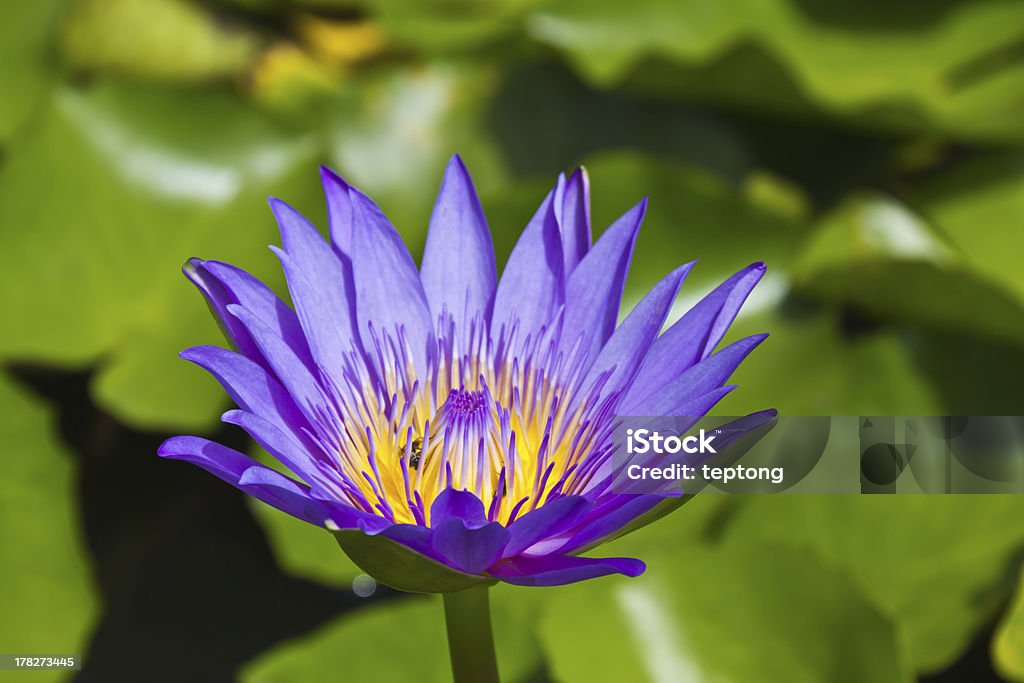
[466, 410]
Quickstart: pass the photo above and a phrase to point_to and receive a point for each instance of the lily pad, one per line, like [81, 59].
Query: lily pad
[45, 583]
[401, 641]
[935, 565]
[899, 66]
[103, 200]
[1008, 646]
[26, 30]
[752, 613]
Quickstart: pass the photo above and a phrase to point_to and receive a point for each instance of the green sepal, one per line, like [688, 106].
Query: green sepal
[399, 567]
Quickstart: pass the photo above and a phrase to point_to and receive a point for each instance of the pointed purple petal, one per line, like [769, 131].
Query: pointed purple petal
[289, 452]
[594, 290]
[296, 377]
[250, 386]
[223, 284]
[630, 342]
[574, 219]
[304, 243]
[248, 475]
[607, 517]
[458, 270]
[389, 294]
[694, 336]
[532, 285]
[339, 211]
[329, 340]
[548, 520]
[558, 570]
[695, 381]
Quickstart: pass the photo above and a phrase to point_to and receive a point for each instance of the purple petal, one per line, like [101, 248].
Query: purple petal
[321, 286]
[532, 285]
[223, 284]
[250, 386]
[468, 549]
[574, 219]
[696, 381]
[606, 518]
[339, 211]
[329, 341]
[296, 377]
[694, 336]
[289, 452]
[389, 295]
[460, 505]
[458, 270]
[557, 570]
[548, 520]
[630, 342]
[248, 475]
[594, 290]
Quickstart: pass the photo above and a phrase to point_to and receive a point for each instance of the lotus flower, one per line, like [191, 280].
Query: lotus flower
[453, 429]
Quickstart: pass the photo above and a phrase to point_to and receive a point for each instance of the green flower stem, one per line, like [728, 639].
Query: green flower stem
[467, 615]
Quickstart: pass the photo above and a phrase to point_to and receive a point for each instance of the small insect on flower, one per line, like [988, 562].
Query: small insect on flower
[415, 452]
[444, 416]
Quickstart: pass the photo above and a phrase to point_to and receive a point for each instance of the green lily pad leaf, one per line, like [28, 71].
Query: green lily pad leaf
[395, 565]
[448, 25]
[103, 200]
[26, 29]
[978, 205]
[691, 215]
[1008, 646]
[400, 641]
[45, 583]
[933, 564]
[878, 256]
[746, 614]
[155, 39]
[902, 65]
[826, 371]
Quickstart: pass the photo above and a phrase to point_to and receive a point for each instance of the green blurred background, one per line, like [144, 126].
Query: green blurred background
[872, 153]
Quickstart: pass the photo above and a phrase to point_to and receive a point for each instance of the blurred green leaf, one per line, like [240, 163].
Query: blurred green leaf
[448, 25]
[934, 564]
[691, 215]
[745, 614]
[25, 32]
[978, 206]
[394, 131]
[173, 40]
[877, 255]
[546, 121]
[402, 641]
[1008, 645]
[101, 204]
[932, 65]
[45, 582]
[809, 366]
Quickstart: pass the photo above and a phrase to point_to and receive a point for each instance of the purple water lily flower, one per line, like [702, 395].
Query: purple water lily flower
[441, 418]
